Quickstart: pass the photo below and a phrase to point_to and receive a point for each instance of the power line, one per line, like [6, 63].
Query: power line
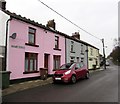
[68, 19]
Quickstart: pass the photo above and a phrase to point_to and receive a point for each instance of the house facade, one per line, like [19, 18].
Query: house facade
[76, 49]
[33, 46]
[93, 57]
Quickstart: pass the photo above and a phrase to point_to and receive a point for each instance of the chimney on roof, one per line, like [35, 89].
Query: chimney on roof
[2, 5]
[51, 24]
[76, 35]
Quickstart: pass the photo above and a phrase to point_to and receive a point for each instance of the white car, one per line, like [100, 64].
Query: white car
[107, 63]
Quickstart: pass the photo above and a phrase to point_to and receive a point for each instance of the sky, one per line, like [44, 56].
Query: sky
[98, 17]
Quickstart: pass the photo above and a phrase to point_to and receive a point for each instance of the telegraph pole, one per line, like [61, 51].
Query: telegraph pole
[104, 59]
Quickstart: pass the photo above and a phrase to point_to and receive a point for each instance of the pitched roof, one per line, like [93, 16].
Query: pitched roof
[24, 19]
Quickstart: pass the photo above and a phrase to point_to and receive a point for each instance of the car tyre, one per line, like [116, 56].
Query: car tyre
[73, 79]
[87, 75]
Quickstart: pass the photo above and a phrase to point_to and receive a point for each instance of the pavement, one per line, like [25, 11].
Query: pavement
[31, 84]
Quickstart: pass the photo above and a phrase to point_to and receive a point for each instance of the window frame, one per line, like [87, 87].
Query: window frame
[91, 51]
[72, 59]
[82, 49]
[32, 33]
[34, 57]
[72, 47]
[56, 41]
[56, 57]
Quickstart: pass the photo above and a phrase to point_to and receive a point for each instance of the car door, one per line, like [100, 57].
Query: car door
[83, 69]
[78, 70]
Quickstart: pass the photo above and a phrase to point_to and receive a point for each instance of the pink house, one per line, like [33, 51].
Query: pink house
[32, 46]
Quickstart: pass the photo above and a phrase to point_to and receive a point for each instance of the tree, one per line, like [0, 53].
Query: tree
[115, 54]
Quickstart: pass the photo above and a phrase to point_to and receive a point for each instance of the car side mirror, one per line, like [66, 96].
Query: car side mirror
[76, 68]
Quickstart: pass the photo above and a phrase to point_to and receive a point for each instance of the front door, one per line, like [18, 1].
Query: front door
[46, 60]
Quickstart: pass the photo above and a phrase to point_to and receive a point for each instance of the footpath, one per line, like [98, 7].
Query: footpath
[30, 84]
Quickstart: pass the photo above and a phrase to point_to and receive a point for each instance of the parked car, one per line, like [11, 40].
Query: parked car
[71, 72]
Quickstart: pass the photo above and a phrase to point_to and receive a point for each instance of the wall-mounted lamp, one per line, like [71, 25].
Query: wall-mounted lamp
[13, 36]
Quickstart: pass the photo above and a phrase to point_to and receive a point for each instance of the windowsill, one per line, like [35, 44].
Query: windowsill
[30, 72]
[57, 49]
[72, 52]
[31, 45]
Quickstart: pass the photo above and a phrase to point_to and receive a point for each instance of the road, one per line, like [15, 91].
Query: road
[101, 87]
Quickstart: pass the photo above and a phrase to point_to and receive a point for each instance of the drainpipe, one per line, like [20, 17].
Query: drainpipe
[65, 51]
[6, 43]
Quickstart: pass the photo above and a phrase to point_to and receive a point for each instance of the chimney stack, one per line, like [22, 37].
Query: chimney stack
[2, 5]
[76, 35]
[51, 24]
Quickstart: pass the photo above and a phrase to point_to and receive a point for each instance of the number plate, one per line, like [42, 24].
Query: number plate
[57, 78]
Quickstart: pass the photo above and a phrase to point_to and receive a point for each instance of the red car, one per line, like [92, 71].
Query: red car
[71, 72]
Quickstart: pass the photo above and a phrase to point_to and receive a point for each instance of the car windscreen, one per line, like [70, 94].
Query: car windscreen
[67, 66]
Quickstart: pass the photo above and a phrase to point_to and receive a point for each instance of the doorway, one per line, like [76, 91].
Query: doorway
[46, 61]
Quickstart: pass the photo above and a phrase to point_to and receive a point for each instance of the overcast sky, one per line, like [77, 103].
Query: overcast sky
[98, 17]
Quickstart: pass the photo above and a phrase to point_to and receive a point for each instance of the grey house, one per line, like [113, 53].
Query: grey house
[76, 50]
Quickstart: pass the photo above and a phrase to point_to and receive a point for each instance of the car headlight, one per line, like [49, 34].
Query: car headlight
[68, 72]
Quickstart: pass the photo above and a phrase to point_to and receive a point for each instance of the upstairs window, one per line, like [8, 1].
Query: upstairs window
[31, 36]
[56, 42]
[82, 49]
[91, 51]
[72, 60]
[72, 46]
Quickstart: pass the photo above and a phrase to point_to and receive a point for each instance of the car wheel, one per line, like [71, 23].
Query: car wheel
[87, 75]
[73, 79]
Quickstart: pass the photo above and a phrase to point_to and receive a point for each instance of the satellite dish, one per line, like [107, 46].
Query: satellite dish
[13, 36]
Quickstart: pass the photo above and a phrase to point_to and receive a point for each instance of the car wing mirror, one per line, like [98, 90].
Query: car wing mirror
[76, 68]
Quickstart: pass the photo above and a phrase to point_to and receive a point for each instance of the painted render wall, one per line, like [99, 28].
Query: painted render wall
[77, 50]
[43, 39]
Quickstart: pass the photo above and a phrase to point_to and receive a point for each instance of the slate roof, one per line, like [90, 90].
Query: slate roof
[24, 19]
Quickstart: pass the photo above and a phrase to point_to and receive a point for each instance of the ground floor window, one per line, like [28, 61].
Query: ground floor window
[77, 59]
[82, 59]
[30, 62]
[72, 60]
[56, 62]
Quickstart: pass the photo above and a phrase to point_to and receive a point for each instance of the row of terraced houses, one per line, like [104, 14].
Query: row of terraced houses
[31, 46]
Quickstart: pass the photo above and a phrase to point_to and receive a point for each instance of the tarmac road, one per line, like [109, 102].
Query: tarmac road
[101, 87]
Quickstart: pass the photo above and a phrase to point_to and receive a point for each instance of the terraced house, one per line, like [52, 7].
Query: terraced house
[93, 57]
[76, 50]
[32, 46]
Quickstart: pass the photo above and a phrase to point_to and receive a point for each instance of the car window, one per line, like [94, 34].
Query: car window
[81, 65]
[77, 66]
[67, 66]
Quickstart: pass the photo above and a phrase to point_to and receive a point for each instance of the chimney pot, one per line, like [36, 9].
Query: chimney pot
[51, 24]
[76, 35]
